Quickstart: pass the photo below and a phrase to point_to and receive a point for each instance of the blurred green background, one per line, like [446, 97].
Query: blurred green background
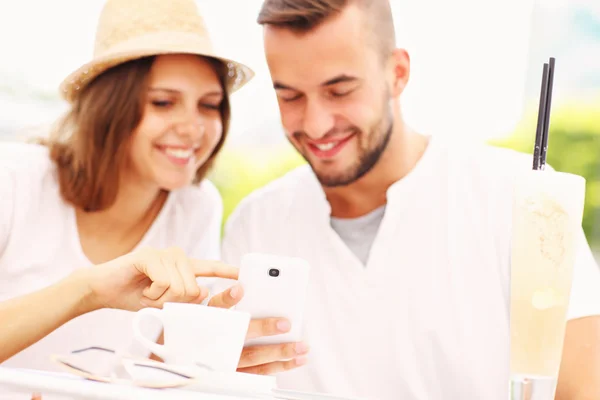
[573, 146]
[240, 170]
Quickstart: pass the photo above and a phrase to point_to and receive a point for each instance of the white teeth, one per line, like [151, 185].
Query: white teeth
[179, 153]
[326, 146]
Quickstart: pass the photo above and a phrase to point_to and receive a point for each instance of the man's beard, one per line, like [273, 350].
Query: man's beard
[379, 137]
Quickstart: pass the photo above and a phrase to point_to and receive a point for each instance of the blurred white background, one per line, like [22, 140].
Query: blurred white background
[470, 62]
[476, 72]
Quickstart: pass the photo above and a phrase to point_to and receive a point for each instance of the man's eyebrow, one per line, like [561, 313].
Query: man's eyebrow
[340, 79]
[333, 81]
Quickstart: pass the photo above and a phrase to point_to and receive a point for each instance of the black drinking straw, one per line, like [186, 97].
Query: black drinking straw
[547, 114]
[537, 150]
[541, 135]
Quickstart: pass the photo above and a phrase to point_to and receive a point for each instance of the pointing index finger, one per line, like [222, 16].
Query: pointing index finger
[214, 269]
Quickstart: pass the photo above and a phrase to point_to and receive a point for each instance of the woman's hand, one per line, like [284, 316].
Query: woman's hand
[150, 278]
[146, 278]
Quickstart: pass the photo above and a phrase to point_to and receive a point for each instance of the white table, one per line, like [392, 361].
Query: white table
[76, 388]
[29, 381]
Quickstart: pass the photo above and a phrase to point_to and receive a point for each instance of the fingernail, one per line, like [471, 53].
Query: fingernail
[300, 361]
[283, 325]
[301, 348]
[203, 292]
[234, 292]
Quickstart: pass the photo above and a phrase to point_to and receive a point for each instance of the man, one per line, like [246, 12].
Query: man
[408, 235]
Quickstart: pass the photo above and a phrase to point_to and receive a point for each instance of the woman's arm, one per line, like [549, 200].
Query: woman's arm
[25, 320]
[147, 278]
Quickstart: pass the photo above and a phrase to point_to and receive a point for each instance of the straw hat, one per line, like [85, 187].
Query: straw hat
[130, 29]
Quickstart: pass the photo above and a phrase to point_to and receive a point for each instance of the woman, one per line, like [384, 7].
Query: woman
[124, 170]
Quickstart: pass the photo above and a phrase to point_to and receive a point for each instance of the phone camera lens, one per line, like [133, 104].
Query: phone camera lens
[274, 272]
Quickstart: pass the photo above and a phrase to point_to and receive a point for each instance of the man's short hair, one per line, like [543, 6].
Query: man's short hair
[302, 16]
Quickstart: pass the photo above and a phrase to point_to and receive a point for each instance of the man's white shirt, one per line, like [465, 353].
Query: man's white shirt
[428, 316]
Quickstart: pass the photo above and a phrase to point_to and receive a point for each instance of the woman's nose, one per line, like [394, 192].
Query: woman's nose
[193, 129]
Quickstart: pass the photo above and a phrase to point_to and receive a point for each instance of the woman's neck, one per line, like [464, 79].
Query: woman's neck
[118, 230]
[135, 207]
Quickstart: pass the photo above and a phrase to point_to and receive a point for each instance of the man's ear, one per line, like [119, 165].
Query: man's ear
[400, 71]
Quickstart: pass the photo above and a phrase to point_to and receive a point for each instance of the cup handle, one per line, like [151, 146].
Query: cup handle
[158, 349]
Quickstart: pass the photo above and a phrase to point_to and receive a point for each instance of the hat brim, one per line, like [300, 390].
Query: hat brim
[238, 74]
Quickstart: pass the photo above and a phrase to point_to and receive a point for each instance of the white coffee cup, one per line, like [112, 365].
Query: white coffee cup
[197, 335]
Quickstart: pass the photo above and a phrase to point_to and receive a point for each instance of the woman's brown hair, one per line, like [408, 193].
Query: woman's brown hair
[90, 144]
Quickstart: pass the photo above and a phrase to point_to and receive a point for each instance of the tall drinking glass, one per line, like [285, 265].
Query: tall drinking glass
[547, 215]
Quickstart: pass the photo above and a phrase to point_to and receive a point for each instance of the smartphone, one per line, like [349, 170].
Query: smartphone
[274, 287]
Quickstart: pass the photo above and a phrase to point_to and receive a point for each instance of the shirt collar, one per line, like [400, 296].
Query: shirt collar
[315, 194]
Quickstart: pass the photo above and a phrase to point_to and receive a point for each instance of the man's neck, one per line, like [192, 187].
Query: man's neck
[370, 192]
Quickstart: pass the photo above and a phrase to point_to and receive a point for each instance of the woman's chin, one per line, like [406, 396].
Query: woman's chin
[172, 184]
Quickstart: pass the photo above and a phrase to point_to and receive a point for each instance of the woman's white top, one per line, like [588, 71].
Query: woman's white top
[39, 245]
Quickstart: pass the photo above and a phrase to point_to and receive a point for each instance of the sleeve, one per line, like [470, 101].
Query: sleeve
[585, 289]
[206, 244]
[206, 239]
[7, 205]
[232, 249]
[234, 242]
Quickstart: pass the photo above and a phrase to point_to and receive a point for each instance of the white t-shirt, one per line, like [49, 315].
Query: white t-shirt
[428, 316]
[359, 233]
[39, 245]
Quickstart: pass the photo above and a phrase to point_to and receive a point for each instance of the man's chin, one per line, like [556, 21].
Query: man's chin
[329, 174]
[332, 180]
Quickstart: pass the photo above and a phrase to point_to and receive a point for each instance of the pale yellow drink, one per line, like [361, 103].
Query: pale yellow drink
[547, 215]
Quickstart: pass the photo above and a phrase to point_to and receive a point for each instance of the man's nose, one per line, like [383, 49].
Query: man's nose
[317, 120]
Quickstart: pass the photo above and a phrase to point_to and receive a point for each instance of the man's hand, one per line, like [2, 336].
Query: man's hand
[227, 298]
[266, 359]
[271, 359]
